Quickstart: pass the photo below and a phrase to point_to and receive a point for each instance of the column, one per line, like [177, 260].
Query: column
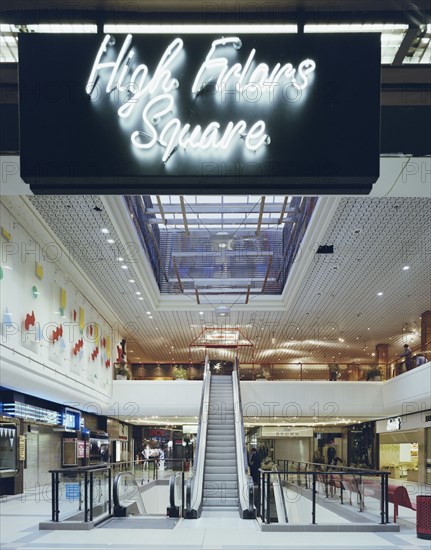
[426, 331]
[382, 359]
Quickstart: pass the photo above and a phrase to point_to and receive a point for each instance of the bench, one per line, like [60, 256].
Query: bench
[398, 496]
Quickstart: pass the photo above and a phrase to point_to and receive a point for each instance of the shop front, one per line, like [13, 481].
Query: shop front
[403, 446]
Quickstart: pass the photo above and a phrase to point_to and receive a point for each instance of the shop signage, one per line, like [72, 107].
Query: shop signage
[71, 419]
[21, 447]
[31, 413]
[171, 113]
[393, 424]
[271, 431]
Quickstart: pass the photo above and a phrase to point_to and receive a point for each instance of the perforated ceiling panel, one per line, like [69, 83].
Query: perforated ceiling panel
[336, 311]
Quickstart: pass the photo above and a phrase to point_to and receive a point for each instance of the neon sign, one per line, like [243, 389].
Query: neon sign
[155, 95]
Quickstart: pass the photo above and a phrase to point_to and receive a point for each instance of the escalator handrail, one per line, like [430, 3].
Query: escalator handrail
[275, 469]
[244, 480]
[194, 485]
[173, 487]
[244, 449]
[198, 435]
[115, 493]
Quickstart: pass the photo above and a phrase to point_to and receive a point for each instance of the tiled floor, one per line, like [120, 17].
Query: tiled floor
[20, 518]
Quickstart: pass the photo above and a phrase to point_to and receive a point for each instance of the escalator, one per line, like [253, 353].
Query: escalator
[220, 481]
[129, 508]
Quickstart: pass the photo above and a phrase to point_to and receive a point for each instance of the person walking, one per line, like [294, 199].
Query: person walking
[408, 361]
[254, 462]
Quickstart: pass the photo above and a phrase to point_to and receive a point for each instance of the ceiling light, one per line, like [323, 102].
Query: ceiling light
[124, 266]
[110, 241]
[137, 293]
[120, 259]
[150, 317]
[380, 294]
[201, 313]
[131, 280]
[140, 298]
[406, 268]
[105, 230]
[148, 312]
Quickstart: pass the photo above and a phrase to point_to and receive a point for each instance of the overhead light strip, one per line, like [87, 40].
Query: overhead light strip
[201, 29]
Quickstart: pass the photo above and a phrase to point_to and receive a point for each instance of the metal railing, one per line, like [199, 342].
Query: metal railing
[90, 487]
[347, 480]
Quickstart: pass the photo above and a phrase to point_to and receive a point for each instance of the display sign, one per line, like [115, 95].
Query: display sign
[273, 431]
[393, 424]
[71, 419]
[80, 449]
[199, 113]
[21, 447]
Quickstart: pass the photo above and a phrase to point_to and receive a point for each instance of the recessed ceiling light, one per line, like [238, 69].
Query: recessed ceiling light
[140, 298]
[201, 313]
[105, 230]
[148, 312]
[406, 267]
[120, 259]
[380, 294]
[137, 293]
[110, 241]
[150, 317]
[124, 266]
[131, 280]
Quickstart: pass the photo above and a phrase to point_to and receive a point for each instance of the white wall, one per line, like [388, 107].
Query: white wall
[32, 361]
[325, 400]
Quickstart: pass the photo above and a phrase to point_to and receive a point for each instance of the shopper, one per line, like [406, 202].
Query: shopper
[408, 361]
[254, 463]
[333, 372]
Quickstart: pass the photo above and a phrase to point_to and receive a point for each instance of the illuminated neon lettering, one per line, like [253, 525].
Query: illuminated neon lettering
[174, 134]
[217, 69]
[160, 128]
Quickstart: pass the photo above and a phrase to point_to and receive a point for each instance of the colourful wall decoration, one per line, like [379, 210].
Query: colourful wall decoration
[81, 319]
[29, 320]
[95, 353]
[34, 292]
[108, 347]
[63, 299]
[39, 271]
[57, 333]
[78, 346]
[6, 234]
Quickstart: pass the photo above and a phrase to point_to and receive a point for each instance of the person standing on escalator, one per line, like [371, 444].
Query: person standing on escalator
[254, 462]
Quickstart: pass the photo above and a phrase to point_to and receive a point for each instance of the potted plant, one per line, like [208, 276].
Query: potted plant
[179, 373]
[374, 372]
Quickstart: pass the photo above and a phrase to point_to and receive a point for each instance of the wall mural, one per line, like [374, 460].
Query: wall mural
[43, 314]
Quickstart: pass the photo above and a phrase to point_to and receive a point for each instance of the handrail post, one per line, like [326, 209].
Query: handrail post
[53, 499]
[91, 495]
[85, 497]
[262, 497]
[268, 498]
[182, 492]
[110, 490]
[313, 509]
[386, 499]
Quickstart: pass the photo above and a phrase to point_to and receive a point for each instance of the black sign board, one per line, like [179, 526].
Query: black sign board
[199, 113]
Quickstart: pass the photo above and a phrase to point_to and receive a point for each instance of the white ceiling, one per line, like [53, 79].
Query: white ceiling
[336, 298]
